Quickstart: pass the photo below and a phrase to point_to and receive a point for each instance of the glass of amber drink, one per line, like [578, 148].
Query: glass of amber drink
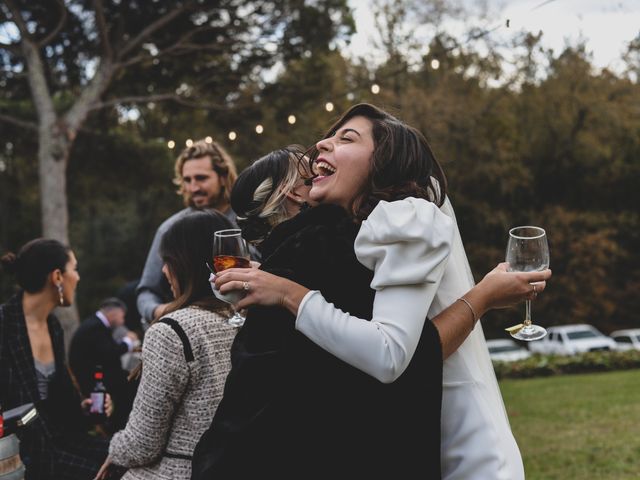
[230, 250]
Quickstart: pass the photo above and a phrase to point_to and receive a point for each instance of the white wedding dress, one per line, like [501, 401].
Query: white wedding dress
[477, 442]
[420, 266]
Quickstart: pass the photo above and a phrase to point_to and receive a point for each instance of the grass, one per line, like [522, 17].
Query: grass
[578, 427]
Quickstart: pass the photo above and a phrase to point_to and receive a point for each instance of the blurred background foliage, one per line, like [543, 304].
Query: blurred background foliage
[544, 139]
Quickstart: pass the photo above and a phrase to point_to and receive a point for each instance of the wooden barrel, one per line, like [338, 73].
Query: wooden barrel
[11, 466]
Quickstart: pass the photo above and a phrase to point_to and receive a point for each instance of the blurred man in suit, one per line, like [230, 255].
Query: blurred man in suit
[93, 346]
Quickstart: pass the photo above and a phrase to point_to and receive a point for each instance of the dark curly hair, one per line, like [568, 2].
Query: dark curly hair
[403, 164]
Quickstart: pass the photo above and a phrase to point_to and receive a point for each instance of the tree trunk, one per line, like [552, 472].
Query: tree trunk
[53, 155]
[55, 136]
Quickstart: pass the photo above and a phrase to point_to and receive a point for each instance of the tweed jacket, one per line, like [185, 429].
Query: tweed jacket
[295, 410]
[45, 444]
[176, 398]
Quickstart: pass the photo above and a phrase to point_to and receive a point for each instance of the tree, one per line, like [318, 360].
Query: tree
[87, 55]
[72, 58]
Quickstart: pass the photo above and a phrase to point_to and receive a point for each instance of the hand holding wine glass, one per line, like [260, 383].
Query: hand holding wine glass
[527, 251]
[230, 250]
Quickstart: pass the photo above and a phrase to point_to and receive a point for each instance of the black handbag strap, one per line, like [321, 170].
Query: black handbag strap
[179, 456]
[186, 345]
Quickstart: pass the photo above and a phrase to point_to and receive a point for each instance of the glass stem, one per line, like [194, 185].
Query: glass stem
[527, 313]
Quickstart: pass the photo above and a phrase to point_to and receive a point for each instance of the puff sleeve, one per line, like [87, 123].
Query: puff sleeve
[406, 243]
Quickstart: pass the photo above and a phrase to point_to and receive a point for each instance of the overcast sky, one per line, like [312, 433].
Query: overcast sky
[607, 25]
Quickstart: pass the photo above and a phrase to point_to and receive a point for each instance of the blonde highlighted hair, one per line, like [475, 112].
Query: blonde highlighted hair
[260, 194]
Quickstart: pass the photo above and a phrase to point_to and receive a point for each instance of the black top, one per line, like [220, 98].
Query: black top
[291, 409]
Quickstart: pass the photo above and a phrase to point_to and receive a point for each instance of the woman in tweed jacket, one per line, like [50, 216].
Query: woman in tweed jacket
[182, 378]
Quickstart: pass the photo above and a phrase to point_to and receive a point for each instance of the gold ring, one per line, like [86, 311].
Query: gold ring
[245, 286]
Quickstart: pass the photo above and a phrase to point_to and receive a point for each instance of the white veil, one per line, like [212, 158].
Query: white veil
[477, 441]
[474, 353]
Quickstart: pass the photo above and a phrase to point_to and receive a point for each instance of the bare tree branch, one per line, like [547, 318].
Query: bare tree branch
[102, 28]
[17, 122]
[134, 99]
[91, 94]
[61, 22]
[180, 47]
[134, 60]
[155, 26]
[159, 97]
[202, 105]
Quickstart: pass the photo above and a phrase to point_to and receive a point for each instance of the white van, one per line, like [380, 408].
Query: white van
[572, 339]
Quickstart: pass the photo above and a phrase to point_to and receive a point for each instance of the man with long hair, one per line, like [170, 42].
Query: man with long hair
[204, 175]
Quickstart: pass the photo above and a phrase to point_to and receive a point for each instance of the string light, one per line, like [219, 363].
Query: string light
[375, 88]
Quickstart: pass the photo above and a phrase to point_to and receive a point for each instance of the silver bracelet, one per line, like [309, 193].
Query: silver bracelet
[473, 312]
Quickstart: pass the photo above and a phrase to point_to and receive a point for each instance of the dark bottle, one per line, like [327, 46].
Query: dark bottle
[98, 395]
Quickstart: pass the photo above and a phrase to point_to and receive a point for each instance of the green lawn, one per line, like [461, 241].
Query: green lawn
[578, 427]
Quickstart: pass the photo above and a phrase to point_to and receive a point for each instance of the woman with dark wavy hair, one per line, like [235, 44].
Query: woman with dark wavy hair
[350, 396]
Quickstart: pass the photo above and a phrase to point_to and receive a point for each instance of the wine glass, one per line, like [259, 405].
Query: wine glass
[528, 251]
[230, 250]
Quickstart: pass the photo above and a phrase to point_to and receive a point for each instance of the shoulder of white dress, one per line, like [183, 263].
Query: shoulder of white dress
[411, 232]
[406, 220]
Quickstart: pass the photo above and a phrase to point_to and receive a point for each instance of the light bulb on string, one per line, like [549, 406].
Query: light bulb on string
[232, 135]
[189, 142]
[435, 64]
[375, 89]
[259, 129]
[328, 107]
[291, 119]
[208, 139]
[171, 144]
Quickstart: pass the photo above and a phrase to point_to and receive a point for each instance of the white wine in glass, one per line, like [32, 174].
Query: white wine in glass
[528, 251]
[230, 250]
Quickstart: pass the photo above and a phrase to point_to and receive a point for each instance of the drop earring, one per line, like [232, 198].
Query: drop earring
[60, 294]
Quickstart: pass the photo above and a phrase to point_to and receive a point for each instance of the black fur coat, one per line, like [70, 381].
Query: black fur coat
[291, 409]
